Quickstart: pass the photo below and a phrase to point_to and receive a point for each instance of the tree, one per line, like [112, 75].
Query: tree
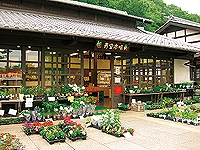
[155, 10]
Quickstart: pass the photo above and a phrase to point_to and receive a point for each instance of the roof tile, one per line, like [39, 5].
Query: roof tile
[35, 22]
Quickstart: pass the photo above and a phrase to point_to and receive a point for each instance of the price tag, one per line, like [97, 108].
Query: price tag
[133, 101]
[51, 99]
[29, 100]
[2, 112]
[49, 119]
[117, 80]
[28, 104]
[127, 135]
[12, 112]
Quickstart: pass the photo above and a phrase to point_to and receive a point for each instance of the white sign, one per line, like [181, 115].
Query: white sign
[117, 80]
[50, 119]
[29, 100]
[133, 101]
[12, 112]
[117, 71]
[2, 112]
[127, 135]
[51, 99]
[28, 104]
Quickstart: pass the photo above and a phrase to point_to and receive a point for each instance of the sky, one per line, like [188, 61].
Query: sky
[192, 6]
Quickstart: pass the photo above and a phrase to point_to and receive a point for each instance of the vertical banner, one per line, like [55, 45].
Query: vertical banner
[118, 89]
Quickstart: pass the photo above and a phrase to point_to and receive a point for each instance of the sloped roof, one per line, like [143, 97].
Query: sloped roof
[179, 22]
[101, 8]
[45, 23]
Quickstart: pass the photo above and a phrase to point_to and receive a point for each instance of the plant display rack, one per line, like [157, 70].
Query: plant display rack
[188, 114]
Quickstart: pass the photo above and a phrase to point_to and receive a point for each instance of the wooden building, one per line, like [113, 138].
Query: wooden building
[186, 31]
[55, 42]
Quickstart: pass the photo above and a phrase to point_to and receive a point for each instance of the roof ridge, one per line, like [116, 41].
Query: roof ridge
[102, 8]
[174, 18]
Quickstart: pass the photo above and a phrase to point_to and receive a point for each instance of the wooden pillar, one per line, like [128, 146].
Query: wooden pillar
[112, 79]
[95, 69]
[23, 58]
[43, 66]
[82, 68]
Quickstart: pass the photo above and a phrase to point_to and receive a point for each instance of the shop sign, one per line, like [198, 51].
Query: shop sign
[112, 46]
[118, 89]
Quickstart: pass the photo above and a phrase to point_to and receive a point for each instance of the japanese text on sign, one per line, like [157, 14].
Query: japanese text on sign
[112, 46]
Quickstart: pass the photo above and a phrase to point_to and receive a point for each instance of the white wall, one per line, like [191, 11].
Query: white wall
[181, 72]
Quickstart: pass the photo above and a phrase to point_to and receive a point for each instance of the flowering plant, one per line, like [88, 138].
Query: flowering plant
[65, 109]
[76, 130]
[110, 123]
[52, 133]
[73, 129]
[91, 99]
[74, 89]
[9, 141]
[30, 128]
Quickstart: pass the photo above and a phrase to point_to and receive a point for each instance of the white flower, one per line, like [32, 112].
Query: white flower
[61, 108]
[70, 85]
[82, 103]
[71, 131]
[75, 89]
[71, 108]
[68, 111]
[83, 133]
[83, 87]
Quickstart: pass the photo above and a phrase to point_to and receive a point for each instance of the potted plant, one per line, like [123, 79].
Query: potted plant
[9, 141]
[39, 92]
[28, 128]
[49, 136]
[62, 137]
[22, 92]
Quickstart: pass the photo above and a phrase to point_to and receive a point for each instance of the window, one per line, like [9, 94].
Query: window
[62, 68]
[10, 69]
[33, 67]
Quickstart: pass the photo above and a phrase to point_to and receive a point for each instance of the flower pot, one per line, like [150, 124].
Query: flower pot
[72, 138]
[62, 140]
[21, 96]
[83, 137]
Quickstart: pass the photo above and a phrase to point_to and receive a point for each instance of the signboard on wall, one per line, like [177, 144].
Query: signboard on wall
[112, 46]
[118, 89]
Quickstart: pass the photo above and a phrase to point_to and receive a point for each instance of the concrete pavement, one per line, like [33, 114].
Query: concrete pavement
[150, 134]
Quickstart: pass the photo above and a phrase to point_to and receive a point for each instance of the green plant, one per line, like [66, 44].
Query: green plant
[124, 106]
[50, 135]
[38, 91]
[22, 89]
[156, 89]
[49, 107]
[62, 135]
[167, 102]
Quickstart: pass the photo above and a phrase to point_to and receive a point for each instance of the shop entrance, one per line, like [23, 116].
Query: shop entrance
[97, 75]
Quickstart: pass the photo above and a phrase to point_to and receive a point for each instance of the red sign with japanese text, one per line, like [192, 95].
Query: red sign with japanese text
[118, 89]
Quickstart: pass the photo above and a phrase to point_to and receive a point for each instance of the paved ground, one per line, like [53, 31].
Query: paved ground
[150, 134]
